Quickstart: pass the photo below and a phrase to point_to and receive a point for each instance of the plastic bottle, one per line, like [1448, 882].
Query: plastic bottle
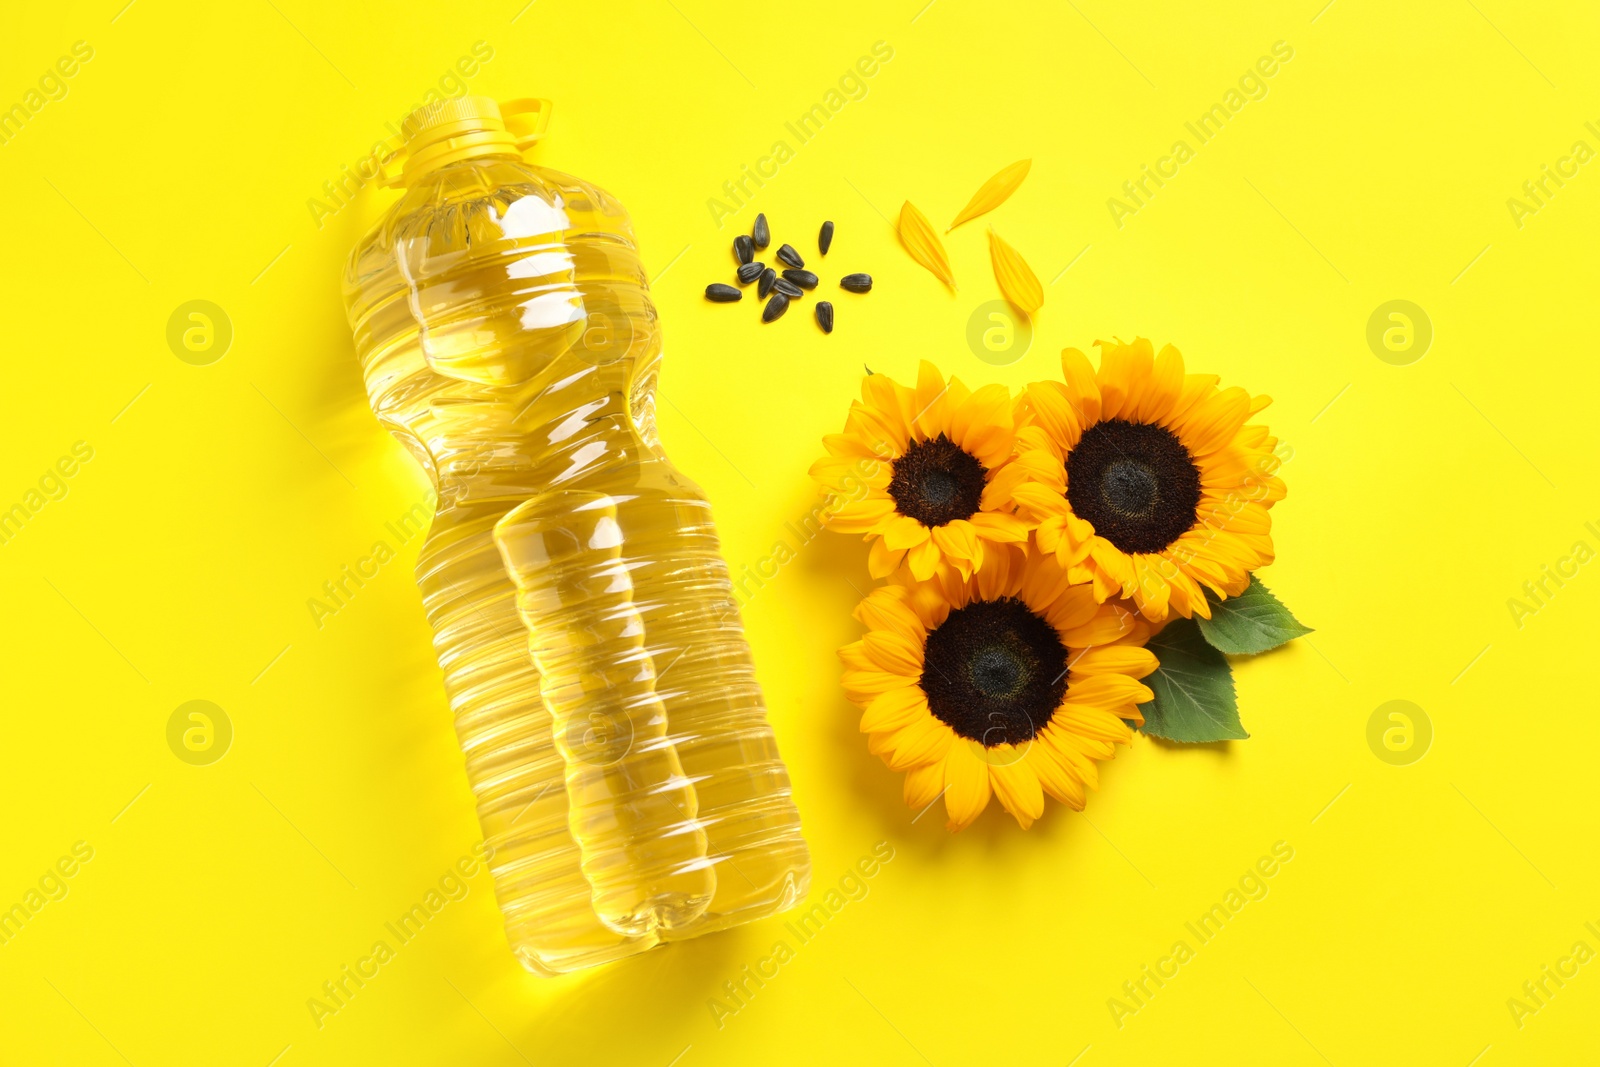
[627, 781]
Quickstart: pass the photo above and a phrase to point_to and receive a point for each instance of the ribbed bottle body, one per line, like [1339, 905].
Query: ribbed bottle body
[626, 777]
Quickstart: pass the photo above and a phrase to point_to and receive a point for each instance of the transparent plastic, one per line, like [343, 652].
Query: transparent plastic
[626, 777]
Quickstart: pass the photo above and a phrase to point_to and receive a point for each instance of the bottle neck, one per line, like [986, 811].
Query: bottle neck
[482, 144]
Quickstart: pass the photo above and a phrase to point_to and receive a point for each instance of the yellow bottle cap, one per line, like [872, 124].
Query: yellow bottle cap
[448, 131]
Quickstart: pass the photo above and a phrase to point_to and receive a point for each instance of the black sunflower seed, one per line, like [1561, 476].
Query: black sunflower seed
[788, 288]
[825, 316]
[749, 272]
[825, 238]
[744, 249]
[803, 278]
[856, 283]
[759, 233]
[723, 294]
[769, 278]
[790, 258]
[775, 307]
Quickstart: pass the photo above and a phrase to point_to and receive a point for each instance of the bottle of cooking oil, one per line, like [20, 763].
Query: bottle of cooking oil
[626, 777]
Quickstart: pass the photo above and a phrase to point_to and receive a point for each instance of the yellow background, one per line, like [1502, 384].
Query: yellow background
[220, 498]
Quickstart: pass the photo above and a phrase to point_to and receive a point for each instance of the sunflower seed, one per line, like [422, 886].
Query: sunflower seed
[769, 278]
[749, 272]
[825, 238]
[723, 294]
[759, 233]
[775, 307]
[825, 316]
[788, 288]
[790, 258]
[856, 283]
[803, 278]
[744, 249]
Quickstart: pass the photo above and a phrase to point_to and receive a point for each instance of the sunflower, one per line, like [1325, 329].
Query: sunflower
[927, 459]
[1146, 481]
[1012, 681]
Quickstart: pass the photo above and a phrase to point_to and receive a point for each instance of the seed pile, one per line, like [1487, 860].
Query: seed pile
[794, 281]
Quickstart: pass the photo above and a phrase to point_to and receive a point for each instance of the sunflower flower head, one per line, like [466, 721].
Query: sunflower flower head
[1010, 682]
[927, 458]
[1145, 481]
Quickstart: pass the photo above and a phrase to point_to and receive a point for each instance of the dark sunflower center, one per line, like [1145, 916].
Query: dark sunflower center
[936, 482]
[994, 672]
[1135, 482]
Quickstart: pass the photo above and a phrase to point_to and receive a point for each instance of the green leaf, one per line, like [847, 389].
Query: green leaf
[1254, 621]
[1193, 687]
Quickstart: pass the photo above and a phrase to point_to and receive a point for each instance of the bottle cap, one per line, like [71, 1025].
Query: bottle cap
[448, 131]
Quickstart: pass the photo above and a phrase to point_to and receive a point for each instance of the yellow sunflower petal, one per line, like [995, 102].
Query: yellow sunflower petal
[958, 539]
[931, 404]
[1053, 412]
[923, 560]
[994, 580]
[929, 604]
[882, 560]
[875, 432]
[1108, 692]
[1016, 786]
[981, 424]
[1164, 387]
[1040, 500]
[1076, 752]
[904, 532]
[995, 526]
[1197, 389]
[1214, 424]
[830, 469]
[882, 611]
[1083, 389]
[1034, 438]
[1002, 483]
[966, 780]
[1044, 580]
[1152, 584]
[862, 685]
[925, 741]
[894, 709]
[1123, 372]
[860, 516]
[990, 445]
[923, 785]
[1075, 607]
[1104, 627]
[1187, 597]
[1092, 722]
[1070, 551]
[1115, 659]
[890, 399]
[893, 653]
[1050, 532]
[1054, 777]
